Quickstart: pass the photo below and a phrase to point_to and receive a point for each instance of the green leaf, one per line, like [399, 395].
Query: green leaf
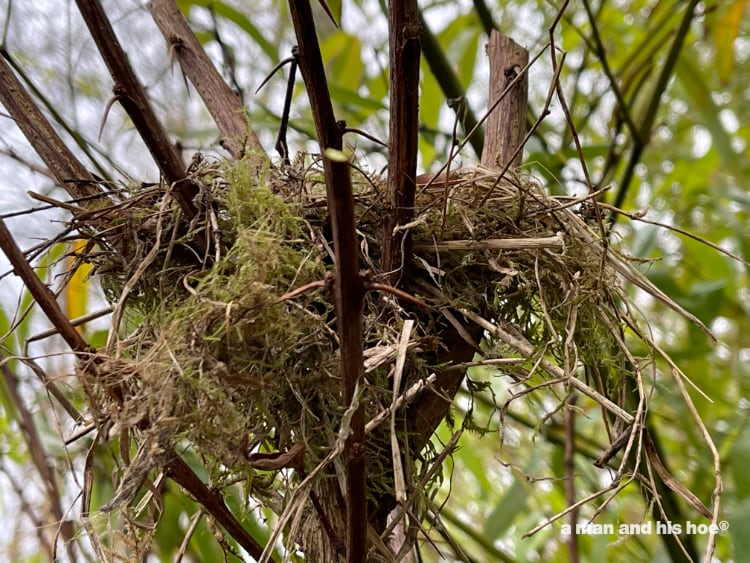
[342, 55]
[432, 99]
[353, 99]
[243, 22]
[513, 502]
[739, 527]
[336, 155]
[740, 461]
[697, 91]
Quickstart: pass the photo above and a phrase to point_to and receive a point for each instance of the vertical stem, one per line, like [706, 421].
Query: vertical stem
[404, 32]
[349, 287]
[570, 486]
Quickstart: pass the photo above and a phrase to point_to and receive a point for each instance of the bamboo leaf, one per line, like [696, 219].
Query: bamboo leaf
[697, 91]
[725, 32]
[238, 18]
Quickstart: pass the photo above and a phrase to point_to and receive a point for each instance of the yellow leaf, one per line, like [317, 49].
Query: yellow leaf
[77, 289]
[725, 32]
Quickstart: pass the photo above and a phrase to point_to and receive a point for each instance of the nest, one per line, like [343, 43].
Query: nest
[233, 350]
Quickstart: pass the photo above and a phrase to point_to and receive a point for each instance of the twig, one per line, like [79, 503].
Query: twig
[407, 397]
[601, 54]
[41, 293]
[303, 289]
[575, 506]
[119, 307]
[213, 503]
[295, 504]
[398, 469]
[492, 108]
[647, 120]
[495, 244]
[194, 521]
[398, 293]
[640, 216]
[555, 371]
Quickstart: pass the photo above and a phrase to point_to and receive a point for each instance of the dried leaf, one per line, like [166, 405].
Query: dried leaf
[293, 458]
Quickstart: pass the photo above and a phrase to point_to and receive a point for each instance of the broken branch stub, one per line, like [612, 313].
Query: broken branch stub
[506, 124]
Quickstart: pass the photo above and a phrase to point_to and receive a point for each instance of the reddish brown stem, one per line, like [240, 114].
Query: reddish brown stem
[63, 165]
[41, 293]
[404, 30]
[213, 502]
[348, 288]
[132, 97]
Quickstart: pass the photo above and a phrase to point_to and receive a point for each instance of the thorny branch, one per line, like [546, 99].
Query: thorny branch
[348, 289]
[222, 102]
[131, 95]
[64, 166]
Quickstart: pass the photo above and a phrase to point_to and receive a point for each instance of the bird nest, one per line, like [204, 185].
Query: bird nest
[225, 338]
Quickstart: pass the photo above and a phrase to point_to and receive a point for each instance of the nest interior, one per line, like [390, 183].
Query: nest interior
[233, 350]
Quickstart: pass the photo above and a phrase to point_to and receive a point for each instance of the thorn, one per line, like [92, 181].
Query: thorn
[288, 60]
[328, 11]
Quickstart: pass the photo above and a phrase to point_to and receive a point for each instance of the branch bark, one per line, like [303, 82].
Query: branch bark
[42, 294]
[404, 30]
[213, 502]
[133, 99]
[349, 287]
[64, 166]
[506, 125]
[223, 103]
